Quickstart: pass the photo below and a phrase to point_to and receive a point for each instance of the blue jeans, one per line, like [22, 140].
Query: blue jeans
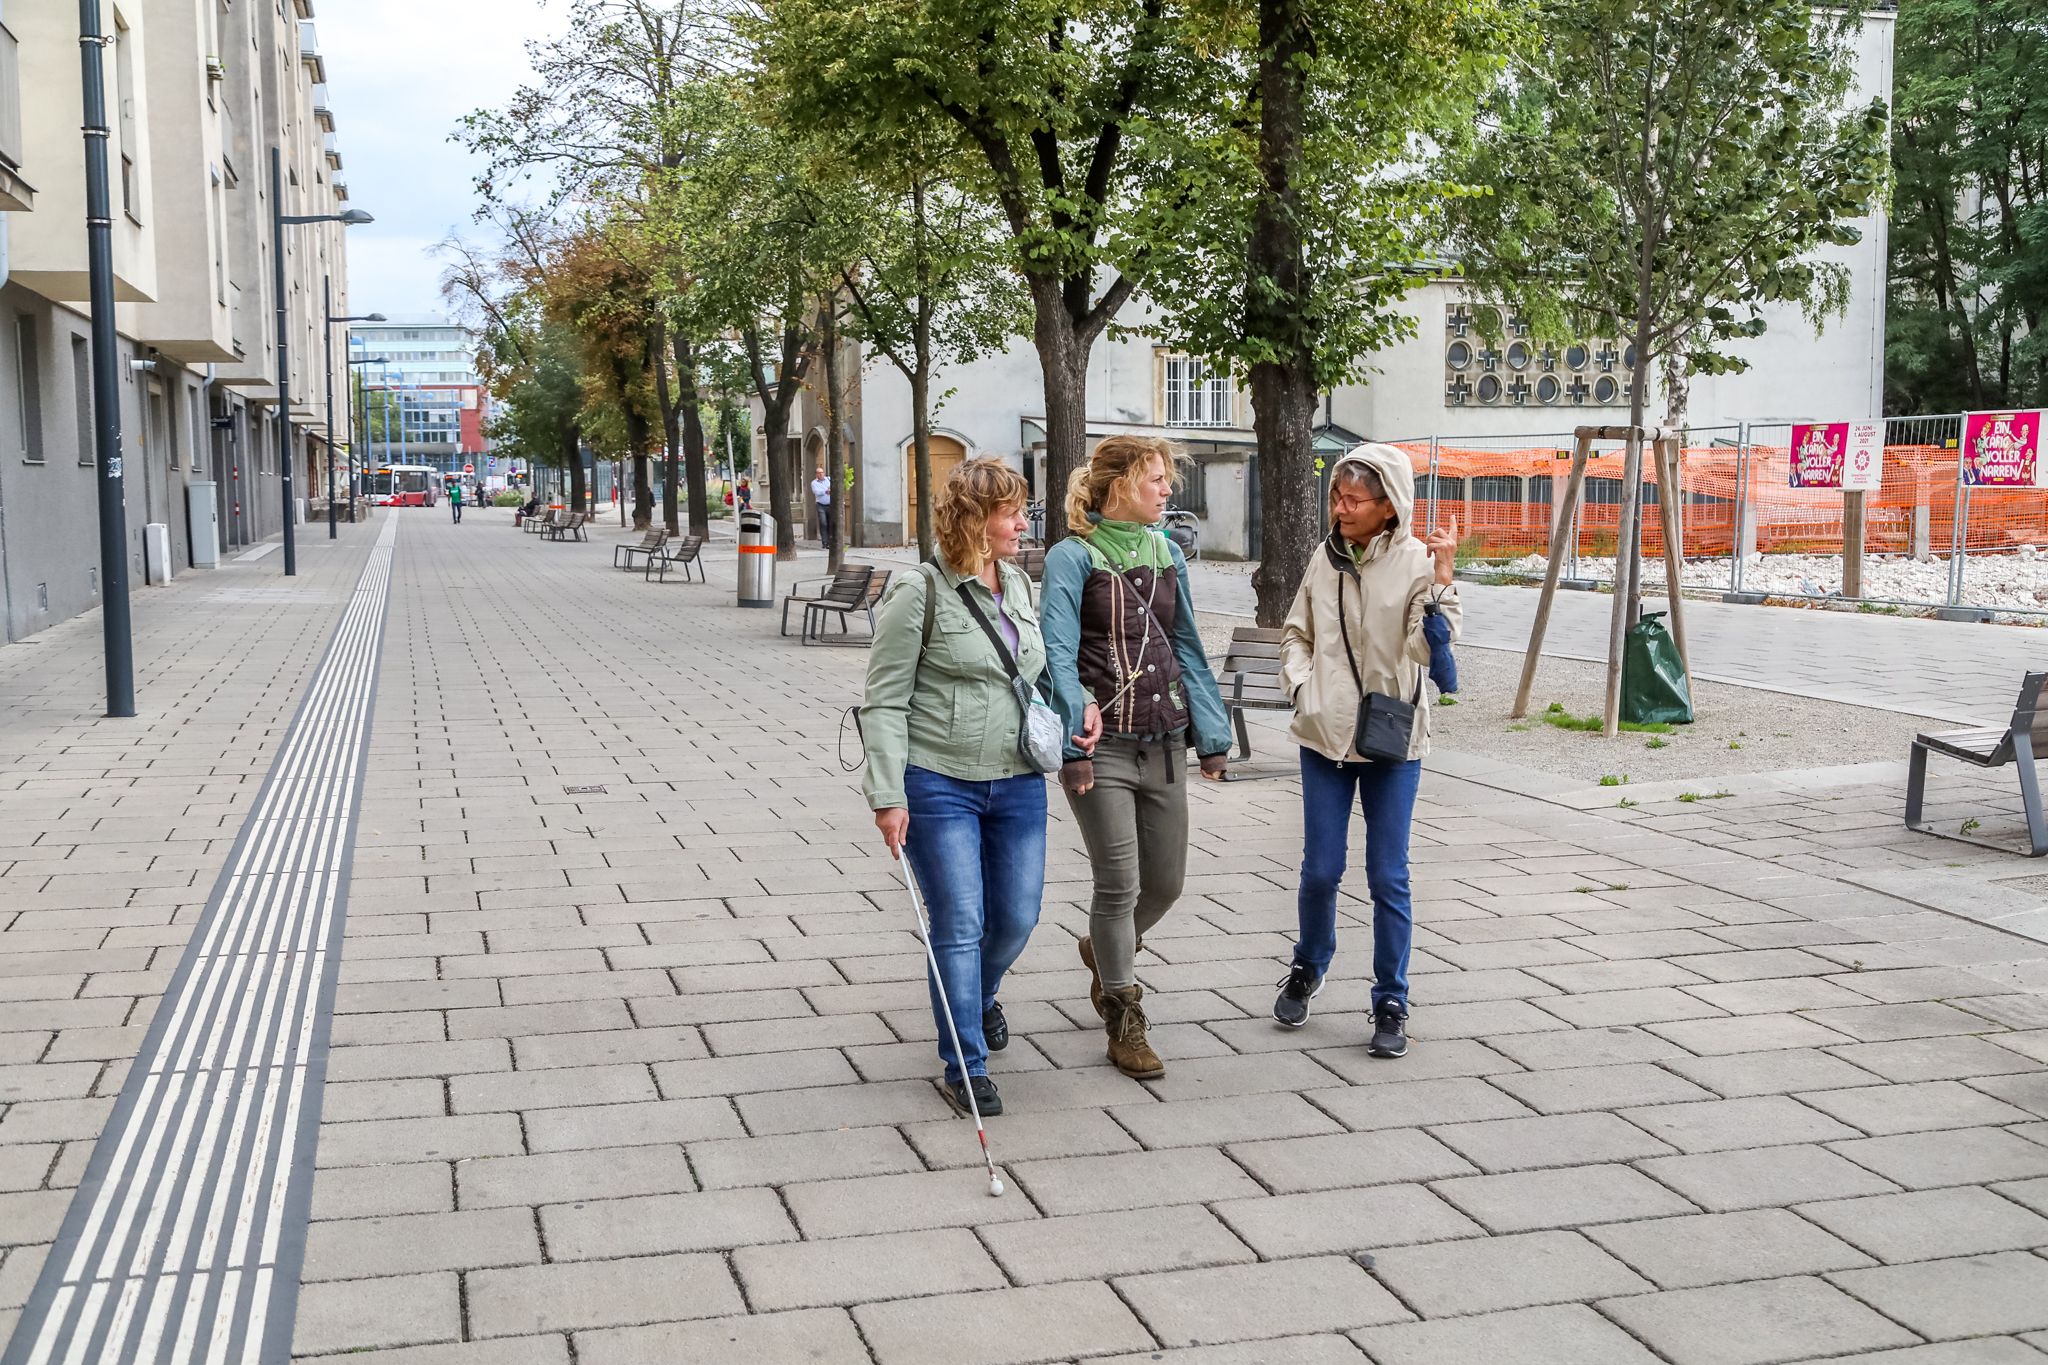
[1386, 797]
[978, 849]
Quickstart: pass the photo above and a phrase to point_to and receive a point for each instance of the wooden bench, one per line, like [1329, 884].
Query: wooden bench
[1991, 747]
[849, 581]
[651, 543]
[1250, 681]
[819, 610]
[688, 552]
[567, 525]
[1032, 561]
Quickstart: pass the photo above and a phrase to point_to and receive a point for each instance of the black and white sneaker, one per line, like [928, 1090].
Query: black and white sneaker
[1389, 1030]
[1300, 987]
[985, 1097]
[995, 1030]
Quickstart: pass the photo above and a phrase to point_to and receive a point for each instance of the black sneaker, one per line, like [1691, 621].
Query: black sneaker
[995, 1030]
[1389, 1031]
[985, 1097]
[1300, 987]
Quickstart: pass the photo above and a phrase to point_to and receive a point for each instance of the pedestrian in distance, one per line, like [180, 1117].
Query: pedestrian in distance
[821, 493]
[455, 500]
[1353, 655]
[746, 494]
[1127, 660]
[950, 789]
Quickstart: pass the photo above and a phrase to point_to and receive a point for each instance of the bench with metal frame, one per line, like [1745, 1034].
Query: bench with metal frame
[1250, 681]
[847, 582]
[1990, 747]
[651, 543]
[688, 552]
[568, 526]
[819, 610]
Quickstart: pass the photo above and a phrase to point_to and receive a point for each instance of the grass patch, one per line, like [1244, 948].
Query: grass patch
[1971, 826]
[1556, 715]
[1735, 744]
[1611, 780]
[1626, 804]
[1653, 742]
[1707, 796]
[1872, 609]
[1446, 700]
[1519, 727]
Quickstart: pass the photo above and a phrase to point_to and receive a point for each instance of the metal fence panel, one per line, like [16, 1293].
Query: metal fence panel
[1929, 541]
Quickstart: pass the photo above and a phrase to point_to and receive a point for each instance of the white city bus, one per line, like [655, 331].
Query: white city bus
[405, 485]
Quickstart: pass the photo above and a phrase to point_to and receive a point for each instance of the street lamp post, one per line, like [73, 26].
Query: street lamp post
[355, 466]
[106, 385]
[278, 220]
[327, 340]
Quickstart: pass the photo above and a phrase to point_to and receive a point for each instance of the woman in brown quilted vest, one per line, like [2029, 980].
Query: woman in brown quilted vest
[1121, 644]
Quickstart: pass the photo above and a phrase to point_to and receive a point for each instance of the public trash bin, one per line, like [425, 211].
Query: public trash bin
[757, 559]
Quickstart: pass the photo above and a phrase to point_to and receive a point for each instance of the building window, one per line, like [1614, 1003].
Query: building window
[81, 387]
[129, 142]
[1195, 394]
[220, 239]
[28, 379]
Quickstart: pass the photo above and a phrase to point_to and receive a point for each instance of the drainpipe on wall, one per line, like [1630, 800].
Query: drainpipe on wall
[6, 582]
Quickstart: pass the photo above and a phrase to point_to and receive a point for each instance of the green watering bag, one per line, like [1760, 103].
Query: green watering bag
[1653, 683]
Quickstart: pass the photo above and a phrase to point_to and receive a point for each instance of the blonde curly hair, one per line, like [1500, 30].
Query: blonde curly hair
[974, 491]
[1117, 465]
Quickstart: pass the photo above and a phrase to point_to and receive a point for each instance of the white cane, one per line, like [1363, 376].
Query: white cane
[924, 927]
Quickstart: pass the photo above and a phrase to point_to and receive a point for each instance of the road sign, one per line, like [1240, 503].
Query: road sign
[469, 469]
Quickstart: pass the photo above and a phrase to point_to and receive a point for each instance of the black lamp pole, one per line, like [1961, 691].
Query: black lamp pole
[327, 339]
[106, 378]
[278, 219]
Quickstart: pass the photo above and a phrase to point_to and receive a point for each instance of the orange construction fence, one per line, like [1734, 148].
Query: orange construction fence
[1503, 499]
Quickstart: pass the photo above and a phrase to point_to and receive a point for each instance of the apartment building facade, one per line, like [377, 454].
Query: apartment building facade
[424, 402]
[198, 92]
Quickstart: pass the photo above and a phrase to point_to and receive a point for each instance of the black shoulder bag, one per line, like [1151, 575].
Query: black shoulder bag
[1385, 724]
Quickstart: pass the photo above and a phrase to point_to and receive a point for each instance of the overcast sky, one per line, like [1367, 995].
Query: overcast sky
[400, 73]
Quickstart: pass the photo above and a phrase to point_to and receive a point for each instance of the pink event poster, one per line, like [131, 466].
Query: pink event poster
[1844, 455]
[2002, 450]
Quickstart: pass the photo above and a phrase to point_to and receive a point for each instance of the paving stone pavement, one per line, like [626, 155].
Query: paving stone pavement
[632, 1060]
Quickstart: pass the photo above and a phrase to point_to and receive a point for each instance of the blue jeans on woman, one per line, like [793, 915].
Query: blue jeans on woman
[1386, 797]
[978, 850]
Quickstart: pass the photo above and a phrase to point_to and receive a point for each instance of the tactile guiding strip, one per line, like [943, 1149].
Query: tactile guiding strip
[184, 1241]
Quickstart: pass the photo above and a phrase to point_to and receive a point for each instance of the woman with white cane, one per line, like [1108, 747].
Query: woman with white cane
[956, 657]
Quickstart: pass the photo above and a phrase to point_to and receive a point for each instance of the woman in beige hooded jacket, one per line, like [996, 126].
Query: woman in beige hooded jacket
[1356, 627]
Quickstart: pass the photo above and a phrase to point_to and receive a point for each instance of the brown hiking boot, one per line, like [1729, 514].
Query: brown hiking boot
[1128, 1049]
[1095, 977]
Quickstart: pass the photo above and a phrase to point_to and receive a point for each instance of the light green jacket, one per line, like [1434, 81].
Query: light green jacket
[948, 706]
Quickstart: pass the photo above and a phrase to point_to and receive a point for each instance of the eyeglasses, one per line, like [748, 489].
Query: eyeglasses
[1351, 502]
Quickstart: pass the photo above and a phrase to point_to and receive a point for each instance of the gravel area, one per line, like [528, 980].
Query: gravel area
[1737, 730]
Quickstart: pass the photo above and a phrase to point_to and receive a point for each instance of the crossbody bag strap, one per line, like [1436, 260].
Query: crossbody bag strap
[1002, 650]
[1344, 629]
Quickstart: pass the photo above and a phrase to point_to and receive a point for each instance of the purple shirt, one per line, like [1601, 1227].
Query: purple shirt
[1005, 627]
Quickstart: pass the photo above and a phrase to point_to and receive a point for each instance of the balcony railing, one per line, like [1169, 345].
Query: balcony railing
[10, 100]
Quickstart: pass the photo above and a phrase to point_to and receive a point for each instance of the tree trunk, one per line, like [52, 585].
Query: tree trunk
[693, 436]
[921, 453]
[572, 456]
[835, 436]
[1677, 386]
[1063, 361]
[1291, 523]
[664, 397]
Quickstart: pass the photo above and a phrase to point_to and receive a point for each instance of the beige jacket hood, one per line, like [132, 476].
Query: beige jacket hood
[1382, 594]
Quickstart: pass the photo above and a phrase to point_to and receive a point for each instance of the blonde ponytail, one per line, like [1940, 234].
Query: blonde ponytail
[1118, 460]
